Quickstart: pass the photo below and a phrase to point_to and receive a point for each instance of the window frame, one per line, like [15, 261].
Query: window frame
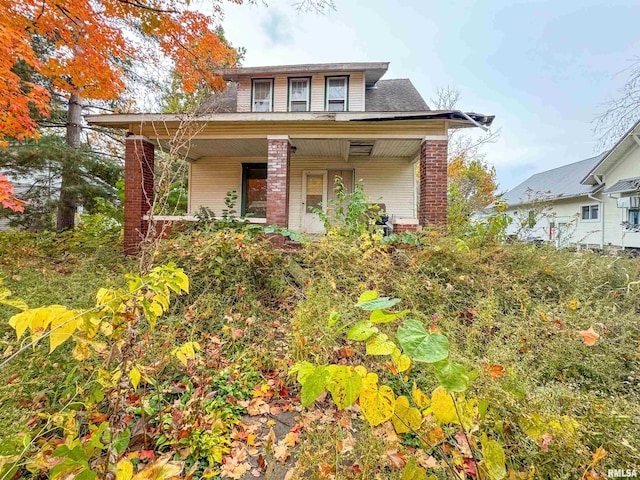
[590, 208]
[253, 89]
[243, 186]
[289, 100]
[636, 211]
[326, 92]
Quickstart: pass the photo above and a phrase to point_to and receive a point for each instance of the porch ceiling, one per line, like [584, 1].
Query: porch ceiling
[304, 148]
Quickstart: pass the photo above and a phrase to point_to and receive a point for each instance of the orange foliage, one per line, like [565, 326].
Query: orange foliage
[7, 199]
[93, 42]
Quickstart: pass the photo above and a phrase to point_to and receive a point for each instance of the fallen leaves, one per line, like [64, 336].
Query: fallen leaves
[589, 337]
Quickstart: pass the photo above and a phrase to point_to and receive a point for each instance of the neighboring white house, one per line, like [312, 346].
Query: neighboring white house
[592, 203]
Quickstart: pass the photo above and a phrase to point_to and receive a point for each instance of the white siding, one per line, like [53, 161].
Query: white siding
[385, 181]
[244, 95]
[281, 89]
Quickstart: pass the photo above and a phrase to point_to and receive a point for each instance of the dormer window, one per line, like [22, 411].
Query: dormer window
[299, 94]
[337, 90]
[262, 95]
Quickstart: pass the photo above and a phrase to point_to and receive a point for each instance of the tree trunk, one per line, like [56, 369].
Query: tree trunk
[68, 198]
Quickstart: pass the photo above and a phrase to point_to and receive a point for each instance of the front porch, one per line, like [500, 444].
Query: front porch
[282, 170]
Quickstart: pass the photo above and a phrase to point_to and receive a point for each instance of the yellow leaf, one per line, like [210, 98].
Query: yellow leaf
[21, 321]
[124, 470]
[62, 327]
[402, 361]
[182, 280]
[599, 454]
[160, 469]
[443, 407]
[135, 376]
[377, 404]
[405, 418]
[573, 304]
[422, 399]
[81, 351]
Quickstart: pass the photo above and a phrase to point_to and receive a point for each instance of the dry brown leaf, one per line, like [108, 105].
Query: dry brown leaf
[589, 337]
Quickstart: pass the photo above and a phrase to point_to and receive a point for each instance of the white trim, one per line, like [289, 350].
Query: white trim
[138, 137]
[406, 221]
[289, 91]
[277, 137]
[590, 205]
[306, 173]
[194, 218]
[435, 137]
[189, 189]
[271, 82]
[327, 80]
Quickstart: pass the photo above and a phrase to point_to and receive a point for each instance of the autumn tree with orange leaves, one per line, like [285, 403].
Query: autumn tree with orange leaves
[93, 45]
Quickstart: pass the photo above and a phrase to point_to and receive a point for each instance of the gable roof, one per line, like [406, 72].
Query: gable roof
[397, 95]
[557, 183]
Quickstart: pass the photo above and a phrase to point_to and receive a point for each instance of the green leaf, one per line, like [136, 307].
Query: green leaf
[361, 330]
[367, 296]
[122, 442]
[494, 458]
[412, 471]
[344, 386]
[385, 316]
[333, 318]
[380, 344]
[314, 385]
[452, 376]
[420, 345]
[379, 303]
[303, 369]
[86, 474]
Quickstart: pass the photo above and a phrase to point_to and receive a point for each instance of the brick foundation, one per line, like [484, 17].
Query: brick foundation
[405, 228]
[279, 157]
[138, 191]
[433, 183]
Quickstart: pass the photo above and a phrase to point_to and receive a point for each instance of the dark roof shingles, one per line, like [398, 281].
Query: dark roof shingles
[396, 95]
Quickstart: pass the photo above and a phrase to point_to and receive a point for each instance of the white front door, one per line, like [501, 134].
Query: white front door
[314, 195]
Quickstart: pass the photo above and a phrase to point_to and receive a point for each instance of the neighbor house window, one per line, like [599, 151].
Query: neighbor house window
[337, 90]
[254, 190]
[262, 95]
[634, 217]
[590, 212]
[299, 94]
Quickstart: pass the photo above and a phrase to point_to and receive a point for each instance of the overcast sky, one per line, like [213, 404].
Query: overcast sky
[543, 68]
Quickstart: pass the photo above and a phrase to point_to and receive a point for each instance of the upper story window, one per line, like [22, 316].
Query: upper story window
[337, 90]
[299, 94]
[262, 95]
[590, 212]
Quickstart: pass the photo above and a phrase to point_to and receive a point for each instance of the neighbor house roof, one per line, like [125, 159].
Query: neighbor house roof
[625, 185]
[397, 95]
[555, 184]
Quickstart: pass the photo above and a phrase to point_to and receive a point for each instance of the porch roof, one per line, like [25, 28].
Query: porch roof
[135, 121]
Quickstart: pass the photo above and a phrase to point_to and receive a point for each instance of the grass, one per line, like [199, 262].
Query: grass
[516, 306]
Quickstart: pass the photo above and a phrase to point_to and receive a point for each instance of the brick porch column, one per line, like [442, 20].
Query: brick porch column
[433, 183]
[278, 159]
[138, 190]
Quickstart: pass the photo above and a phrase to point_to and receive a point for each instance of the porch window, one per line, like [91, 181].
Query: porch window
[254, 190]
[299, 94]
[337, 90]
[590, 212]
[633, 217]
[262, 93]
